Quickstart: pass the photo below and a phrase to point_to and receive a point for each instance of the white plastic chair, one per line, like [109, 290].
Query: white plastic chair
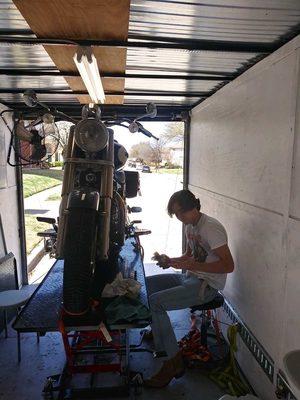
[13, 298]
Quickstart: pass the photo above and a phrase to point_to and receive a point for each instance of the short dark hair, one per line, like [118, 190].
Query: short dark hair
[185, 199]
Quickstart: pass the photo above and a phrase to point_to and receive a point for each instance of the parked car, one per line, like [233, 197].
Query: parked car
[146, 168]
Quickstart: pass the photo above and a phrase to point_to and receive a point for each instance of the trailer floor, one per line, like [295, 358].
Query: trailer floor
[25, 381]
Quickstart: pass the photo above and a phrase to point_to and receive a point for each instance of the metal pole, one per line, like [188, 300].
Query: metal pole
[69, 74]
[186, 166]
[149, 43]
[186, 158]
[21, 217]
[68, 91]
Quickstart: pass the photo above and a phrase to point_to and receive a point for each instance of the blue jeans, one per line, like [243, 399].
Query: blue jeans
[172, 292]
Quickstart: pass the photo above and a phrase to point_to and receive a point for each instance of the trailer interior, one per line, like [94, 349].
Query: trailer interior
[229, 70]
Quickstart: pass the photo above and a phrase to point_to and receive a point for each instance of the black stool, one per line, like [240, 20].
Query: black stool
[207, 318]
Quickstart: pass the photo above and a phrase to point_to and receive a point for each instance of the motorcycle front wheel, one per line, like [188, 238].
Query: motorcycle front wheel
[81, 230]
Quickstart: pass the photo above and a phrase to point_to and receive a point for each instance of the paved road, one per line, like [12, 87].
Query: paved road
[166, 232]
[39, 205]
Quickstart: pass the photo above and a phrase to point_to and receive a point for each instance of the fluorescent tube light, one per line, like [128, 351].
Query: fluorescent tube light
[87, 66]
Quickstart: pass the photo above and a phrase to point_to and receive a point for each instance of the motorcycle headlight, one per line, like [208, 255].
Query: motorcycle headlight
[91, 135]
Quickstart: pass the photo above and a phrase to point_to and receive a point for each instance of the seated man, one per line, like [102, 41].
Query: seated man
[205, 263]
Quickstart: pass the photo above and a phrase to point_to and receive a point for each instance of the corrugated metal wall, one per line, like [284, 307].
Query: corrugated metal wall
[234, 22]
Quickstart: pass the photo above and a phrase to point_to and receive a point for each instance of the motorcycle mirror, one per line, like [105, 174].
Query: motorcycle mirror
[133, 127]
[151, 110]
[30, 98]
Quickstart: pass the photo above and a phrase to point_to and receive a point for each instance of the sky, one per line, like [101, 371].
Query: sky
[127, 139]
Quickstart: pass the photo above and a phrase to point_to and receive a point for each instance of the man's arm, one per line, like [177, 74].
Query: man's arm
[223, 265]
[186, 256]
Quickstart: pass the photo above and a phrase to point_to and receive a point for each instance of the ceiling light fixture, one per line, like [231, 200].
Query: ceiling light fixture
[87, 66]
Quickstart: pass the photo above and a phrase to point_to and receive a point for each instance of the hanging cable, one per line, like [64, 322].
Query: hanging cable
[228, 378]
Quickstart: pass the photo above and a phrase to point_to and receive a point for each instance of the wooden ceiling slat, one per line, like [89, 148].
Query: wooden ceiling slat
[85, 99]
[77, 19]
[110, 59]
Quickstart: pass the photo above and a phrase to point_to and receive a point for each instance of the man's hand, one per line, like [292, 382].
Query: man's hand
[224, 265]
[163, 260]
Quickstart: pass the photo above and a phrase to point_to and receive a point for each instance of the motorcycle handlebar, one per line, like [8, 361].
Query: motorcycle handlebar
[146, 132]
[141, 129]
[31, 100]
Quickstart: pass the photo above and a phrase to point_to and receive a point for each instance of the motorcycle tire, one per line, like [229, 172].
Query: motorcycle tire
[81, 227]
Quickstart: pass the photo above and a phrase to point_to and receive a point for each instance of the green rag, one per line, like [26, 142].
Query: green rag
[126, 309]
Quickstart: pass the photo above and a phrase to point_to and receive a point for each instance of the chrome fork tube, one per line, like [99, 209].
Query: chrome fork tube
[106, 193]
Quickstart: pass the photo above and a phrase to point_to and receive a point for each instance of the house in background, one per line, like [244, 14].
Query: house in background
[176, 153]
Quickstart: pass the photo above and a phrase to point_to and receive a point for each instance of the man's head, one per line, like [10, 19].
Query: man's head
[185, 206]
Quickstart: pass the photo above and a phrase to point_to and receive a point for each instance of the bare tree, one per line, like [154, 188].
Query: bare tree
[142, 152]
[158, 151]
[59, 131]
[174, 132]
[63, 132]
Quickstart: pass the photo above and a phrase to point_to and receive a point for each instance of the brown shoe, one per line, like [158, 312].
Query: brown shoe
[172, 368]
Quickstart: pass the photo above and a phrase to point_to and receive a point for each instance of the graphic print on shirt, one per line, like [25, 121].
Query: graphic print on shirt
[198, 251]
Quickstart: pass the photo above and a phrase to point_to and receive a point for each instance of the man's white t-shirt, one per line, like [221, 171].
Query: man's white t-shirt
[208, 234]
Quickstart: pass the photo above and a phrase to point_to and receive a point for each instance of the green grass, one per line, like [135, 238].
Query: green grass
[37, 180]
[56, 173]
[54, 197]
[32, 228]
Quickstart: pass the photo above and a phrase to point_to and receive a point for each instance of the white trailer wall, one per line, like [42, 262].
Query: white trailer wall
[8, 195]
[245, 167]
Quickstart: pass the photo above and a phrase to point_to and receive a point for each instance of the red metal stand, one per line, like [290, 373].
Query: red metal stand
[80, 341]
[194, 345]
[81, 345]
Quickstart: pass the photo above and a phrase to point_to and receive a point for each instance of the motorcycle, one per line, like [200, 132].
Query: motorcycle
[93, 221]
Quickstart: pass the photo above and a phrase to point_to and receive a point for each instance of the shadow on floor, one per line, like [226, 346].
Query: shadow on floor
[26, 380]
[34, 212]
